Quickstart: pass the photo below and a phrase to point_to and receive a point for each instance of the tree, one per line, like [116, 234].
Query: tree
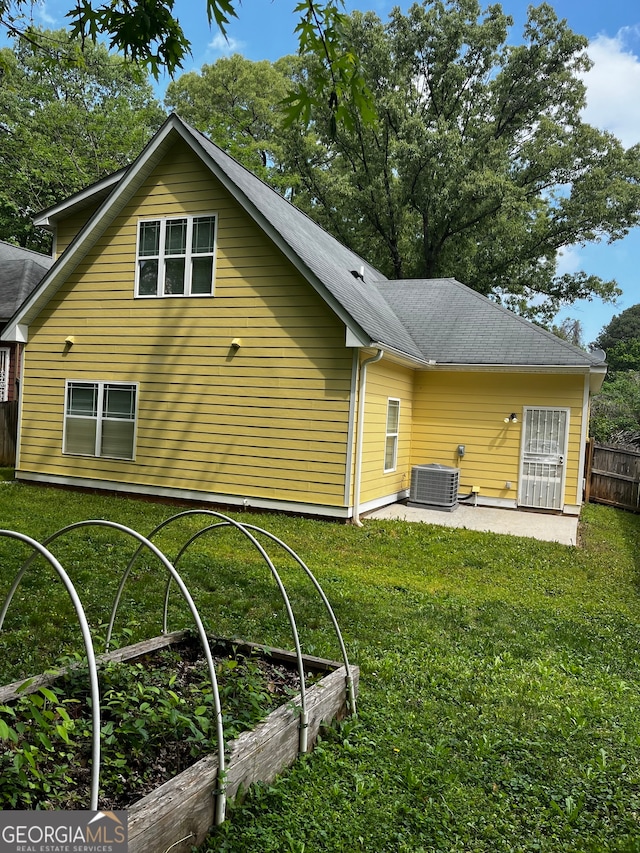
[615, 411]
[479, 165]
[621, 328]
[238, 104]
[64, 126]
[148, 32]
[620, 339]
[570, 330]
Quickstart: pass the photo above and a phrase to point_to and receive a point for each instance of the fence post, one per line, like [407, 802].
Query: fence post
[588, 464]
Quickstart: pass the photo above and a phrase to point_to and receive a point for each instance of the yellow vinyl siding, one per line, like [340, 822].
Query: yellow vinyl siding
[469, 408]
[385, 380]
[269, 420]
[67, 229]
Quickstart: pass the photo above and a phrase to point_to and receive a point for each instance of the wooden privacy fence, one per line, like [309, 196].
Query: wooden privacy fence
[613, 476]
[8, 433]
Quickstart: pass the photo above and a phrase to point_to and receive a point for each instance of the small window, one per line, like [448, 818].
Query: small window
[391, 444]
[175, 256]
[100, 419]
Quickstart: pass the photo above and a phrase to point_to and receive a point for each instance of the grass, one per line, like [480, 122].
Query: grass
[500, 677]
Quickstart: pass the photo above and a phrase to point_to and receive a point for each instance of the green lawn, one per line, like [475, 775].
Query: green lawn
[500, 677]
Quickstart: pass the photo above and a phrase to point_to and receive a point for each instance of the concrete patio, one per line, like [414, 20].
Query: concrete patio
[536, 525]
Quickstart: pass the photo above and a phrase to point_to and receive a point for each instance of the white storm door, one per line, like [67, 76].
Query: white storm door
[544, 450]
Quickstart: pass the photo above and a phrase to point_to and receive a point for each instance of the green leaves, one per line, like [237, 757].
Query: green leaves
[144, 721]
[71, 116]
[221, 11]
[149, 33]
[478, 164]
[498, 675]
[615, 411]
[338, 82]
[146, 30]
[236, 103]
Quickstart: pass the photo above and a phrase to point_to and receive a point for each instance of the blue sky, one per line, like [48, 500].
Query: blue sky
[265, 30]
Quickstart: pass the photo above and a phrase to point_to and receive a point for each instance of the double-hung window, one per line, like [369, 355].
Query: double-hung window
[100, 419]
[176, 256]
[391, 441]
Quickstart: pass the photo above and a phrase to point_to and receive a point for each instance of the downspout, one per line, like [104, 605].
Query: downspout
[20, 385]
[360, 434]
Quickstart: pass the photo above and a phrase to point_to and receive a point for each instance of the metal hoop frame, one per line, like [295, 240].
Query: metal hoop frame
[223, 522]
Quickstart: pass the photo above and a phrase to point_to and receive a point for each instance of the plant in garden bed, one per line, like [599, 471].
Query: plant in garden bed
[156, 719]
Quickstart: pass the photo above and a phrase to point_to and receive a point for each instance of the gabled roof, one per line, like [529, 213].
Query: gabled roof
[452, 324]
[20, 272]
[436, 321]
[327, 264]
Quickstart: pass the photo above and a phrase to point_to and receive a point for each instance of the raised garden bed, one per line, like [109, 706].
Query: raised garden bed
[180, 813]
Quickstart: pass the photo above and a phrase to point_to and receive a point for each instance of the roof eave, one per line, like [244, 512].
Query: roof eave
[510, 367]
[77, 250]
[46, 218]
[596, 377]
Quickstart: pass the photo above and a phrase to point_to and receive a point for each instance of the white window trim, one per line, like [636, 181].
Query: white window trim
[163, 220]
[395, 435]
[99, 419]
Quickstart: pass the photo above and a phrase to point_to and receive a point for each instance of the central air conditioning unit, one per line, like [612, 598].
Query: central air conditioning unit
[435, 486]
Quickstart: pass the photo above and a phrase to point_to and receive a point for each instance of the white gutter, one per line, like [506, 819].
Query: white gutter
[360, 434]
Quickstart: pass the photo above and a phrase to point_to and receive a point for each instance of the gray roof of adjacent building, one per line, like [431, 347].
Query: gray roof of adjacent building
[20, 272]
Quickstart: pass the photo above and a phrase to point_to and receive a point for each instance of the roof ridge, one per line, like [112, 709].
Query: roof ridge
[282, 198]
[38, 255]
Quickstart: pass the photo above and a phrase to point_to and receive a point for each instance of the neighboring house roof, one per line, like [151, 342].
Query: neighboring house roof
[452, 324]
[20, 271]
[438, 321]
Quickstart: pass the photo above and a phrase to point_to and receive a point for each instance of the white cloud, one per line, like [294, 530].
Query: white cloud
[569, 260]
[43, 16]
[226, 46]
[613, 85]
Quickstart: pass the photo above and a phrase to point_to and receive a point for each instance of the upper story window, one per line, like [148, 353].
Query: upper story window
[176, 256]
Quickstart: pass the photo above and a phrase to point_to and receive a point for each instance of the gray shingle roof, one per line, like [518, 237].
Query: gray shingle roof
[437, 319]
[20, 272]
[330, 262]
[452, 324]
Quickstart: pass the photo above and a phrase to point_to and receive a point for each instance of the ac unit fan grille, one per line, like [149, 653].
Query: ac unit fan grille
[434, 485]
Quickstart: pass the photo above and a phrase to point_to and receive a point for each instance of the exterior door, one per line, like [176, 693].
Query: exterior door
[544, 450]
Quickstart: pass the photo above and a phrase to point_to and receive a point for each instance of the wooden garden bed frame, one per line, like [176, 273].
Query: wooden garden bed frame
[180, 813]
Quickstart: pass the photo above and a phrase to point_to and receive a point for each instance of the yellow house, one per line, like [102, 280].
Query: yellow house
[198, 337]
